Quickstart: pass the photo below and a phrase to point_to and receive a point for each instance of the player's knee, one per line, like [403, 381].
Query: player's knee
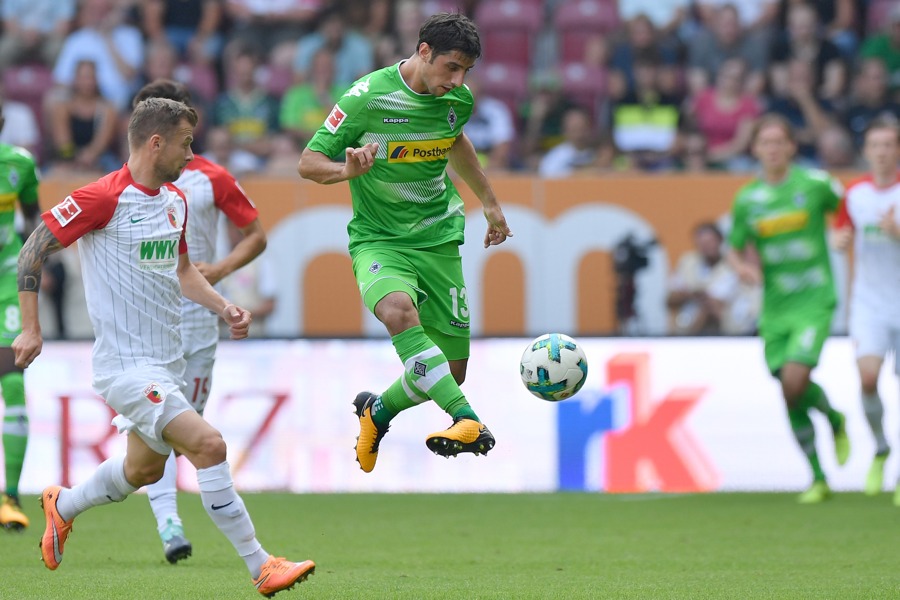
[212, 448]
[458, 372]
[868, 381]
[144, 474]
[792, 389]
[397, 312]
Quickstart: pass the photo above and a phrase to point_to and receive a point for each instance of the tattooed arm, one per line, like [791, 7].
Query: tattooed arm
[39, 245]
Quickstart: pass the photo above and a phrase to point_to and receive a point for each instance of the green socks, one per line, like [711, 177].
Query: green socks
[15, 428]
[426, 375]
[814, 397]
[805, 434]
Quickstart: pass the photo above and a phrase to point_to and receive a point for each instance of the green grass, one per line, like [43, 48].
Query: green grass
[566, 546]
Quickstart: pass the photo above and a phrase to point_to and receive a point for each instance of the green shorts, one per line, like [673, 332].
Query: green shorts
[795, 338]
[432, 277]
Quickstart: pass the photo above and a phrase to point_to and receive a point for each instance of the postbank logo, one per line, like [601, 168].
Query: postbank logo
[784, 223]
[419, 151]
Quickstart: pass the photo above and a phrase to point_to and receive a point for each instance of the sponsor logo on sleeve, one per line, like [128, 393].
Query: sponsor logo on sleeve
[335, 119]
[66, 211]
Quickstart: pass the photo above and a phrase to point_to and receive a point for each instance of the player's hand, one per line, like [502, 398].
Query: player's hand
[497, 230]
[27, 346]
[750, 274]
[841, 238]
[238, 320]
[209, 272]
[360, 160]
[888, 223]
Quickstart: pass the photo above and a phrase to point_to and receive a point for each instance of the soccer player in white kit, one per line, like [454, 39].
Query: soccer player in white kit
[870, 217]
[130, 227]
[211, 191]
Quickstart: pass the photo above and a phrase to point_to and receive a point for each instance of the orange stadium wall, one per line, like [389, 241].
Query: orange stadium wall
[555, 274]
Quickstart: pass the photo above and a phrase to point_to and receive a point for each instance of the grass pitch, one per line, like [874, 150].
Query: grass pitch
[566, 546]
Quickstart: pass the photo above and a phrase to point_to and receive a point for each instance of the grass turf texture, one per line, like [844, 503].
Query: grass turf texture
[563, 546]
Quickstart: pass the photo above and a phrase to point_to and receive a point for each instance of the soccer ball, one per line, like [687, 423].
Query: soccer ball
[553, 367]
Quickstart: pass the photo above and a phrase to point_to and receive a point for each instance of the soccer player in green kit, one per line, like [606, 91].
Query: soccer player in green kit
[18, 181]
[783, 214]
[396, 129]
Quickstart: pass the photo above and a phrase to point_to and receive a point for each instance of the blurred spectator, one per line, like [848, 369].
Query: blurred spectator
[837, 19]
[802, 41]
[53, 290]
[693, 153]
[34, 29]
[642, 42]
[666, 16]
[886, 46]
[271, 22]
[252, 286]
[305, 105]
[721, 40]
[577, 152]
[248, 112]
[543, 116]
[284, 158]
[353, 53]
[794, 98]
[192, 27]
[834, 149]
[645, 122]
[705, 295]
[21, 126]
[755, 16]
[869, 99]
[393, 48]
[221, 150]
[115, 48]
[83, 125]
[490, 128]
[371, 18]
[724, 115]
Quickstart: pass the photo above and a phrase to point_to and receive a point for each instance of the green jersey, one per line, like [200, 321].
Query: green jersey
[18, 181]
[786, 222]
[406, 199]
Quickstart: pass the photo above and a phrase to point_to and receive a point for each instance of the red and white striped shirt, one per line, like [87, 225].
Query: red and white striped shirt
[210, 190]
[130, 238]
[876, 255]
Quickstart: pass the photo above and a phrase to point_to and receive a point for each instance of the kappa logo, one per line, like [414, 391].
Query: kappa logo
[419, 369]
[334, 120]
[154, 393]
[376, 266]
[358, 89]
[66, 211]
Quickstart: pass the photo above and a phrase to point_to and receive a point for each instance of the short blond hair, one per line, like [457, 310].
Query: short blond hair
[158, 116]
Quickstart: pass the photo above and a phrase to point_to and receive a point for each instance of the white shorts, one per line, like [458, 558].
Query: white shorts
[873, 335]
[198, 376]
[146, 400]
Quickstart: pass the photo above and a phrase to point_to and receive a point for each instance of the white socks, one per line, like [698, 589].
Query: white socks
[107, 484]
[228, 512]
[162, 495]
[874, 415]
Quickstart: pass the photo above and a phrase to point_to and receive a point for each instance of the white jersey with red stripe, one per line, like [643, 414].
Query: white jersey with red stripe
[129, 239]
[210, 190]
[876, 255]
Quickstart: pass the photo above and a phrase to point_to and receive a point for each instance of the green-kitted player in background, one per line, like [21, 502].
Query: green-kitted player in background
[18, 181]
[783, 214]
[391, 135]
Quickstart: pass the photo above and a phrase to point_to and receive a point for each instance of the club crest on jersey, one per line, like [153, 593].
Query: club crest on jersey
[335, 119]
[170, 215]
[376, 266]
[13, 177]
[65, 211]
[451, 118]
[800, 200]
[154, 393]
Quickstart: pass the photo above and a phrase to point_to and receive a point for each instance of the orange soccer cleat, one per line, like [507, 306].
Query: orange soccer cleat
[279, 574]
[57, 531]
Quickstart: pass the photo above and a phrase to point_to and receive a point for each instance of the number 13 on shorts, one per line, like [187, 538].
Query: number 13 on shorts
[458, 303]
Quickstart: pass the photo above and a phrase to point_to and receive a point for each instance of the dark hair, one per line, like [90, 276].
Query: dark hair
[446, 32]
[158, 116]
[709, 226]
[163, 88]
[773, 120]
[886, 121]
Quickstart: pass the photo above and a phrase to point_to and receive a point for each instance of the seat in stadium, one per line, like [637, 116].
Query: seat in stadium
[201, 79]
[877, 17]
[578, 20]
[585, 85]
[508, 30]
[27, 83]
[507, 83]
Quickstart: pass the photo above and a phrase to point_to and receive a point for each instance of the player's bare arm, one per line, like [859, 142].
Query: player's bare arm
[841, 238]
[745, 269]
[251, 245]
[39, 245]
[196, 288]
[30, 215]
[317, 167]
[464, 161]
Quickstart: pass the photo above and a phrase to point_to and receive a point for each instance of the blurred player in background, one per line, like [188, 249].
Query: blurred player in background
[396, 129]
[783, 214]
[870, 219]
[130, 228]
[18, 181]
[210, 191]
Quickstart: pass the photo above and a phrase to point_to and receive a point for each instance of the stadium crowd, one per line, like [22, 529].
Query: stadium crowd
[564, 86]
